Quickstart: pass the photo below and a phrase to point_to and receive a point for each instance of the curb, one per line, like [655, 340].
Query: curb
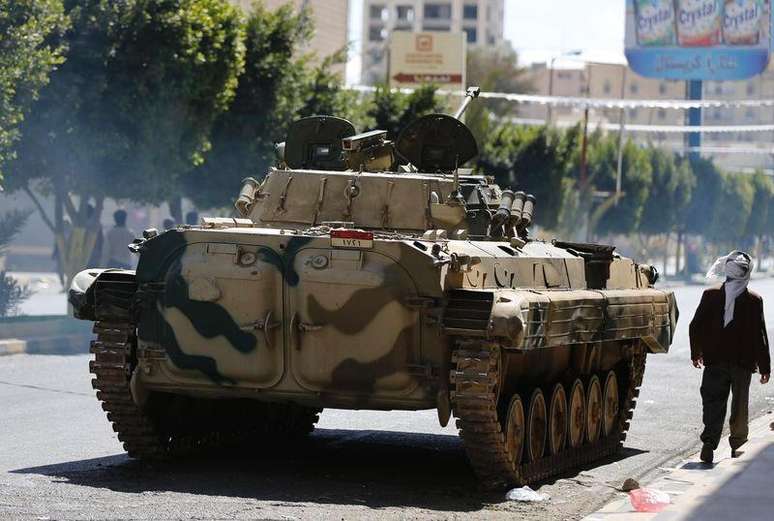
[691, 482]
[12, 346]
[48, 345]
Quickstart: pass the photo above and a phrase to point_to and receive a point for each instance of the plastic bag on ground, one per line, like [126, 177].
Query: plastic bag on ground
[525, 494]
[649, 500]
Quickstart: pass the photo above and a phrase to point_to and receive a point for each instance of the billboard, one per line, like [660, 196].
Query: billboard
[698, 39]
[434, 57]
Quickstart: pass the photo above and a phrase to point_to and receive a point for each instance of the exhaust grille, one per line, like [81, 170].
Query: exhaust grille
[114, 295]
[468, 312]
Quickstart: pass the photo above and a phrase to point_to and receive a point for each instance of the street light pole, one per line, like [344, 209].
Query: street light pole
[575, 52]
[550, 88]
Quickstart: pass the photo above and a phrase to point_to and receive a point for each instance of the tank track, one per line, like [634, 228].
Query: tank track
[114, 361]
[476, 380]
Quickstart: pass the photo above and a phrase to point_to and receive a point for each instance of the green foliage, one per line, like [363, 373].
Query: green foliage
[494, 70]
[762, 207]
[393, 111]
[11, 292]
[30, 48]
[636, 179]
[729, 218]
[670, 193]
[696, 218]
[533, 159]
[267, 97]
[131, 108]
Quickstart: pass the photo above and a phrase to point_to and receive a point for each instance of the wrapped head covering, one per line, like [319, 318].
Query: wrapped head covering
[735, 268]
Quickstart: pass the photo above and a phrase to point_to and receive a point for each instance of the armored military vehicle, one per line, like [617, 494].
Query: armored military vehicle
[363, 273]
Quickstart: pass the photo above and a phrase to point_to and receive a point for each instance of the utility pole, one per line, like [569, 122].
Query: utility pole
[694, 88]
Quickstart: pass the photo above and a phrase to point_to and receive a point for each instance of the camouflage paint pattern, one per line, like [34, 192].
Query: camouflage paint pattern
[269, 308]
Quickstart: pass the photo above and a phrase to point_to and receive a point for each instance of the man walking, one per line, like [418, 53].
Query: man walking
[728, 337]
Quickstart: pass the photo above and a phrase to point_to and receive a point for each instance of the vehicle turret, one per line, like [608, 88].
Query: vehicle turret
[421, 185]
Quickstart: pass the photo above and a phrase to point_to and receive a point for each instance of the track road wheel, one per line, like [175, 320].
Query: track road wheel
[593, 409]
[577, 414]
[515, 429]
[537, 426]
[610, 404]
[557, 420]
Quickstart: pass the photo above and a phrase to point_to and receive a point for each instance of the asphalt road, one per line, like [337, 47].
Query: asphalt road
[60, 460]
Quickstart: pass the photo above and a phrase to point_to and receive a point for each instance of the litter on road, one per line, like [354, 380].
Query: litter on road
[526, 494]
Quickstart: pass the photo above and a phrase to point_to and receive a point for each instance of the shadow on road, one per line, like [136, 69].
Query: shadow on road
[373, 468]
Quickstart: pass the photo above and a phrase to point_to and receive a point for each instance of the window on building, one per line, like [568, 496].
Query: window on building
[376, 11]
[607, 88]
[472, 34]
[662, 88]
[634, 88]
[632, 113]
[490, 38]
[749, 114]
[405, 13]
[470, 12]
[438, 11]
[377, 33]
[750, 88]
[661, 114]
[718, 88]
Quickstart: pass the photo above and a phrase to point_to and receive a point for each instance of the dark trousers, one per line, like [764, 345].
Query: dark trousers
[716, 383]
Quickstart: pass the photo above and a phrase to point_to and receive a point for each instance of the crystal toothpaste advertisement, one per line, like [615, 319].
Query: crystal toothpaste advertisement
[698, 39]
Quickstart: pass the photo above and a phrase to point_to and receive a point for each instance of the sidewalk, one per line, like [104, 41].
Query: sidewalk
[731, 488]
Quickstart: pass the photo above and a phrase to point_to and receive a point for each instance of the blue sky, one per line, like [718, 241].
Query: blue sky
[542, 29]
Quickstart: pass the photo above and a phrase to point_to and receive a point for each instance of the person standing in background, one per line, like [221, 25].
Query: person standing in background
[117, 242]
[192, 218]
[728, 338]
[96, 257]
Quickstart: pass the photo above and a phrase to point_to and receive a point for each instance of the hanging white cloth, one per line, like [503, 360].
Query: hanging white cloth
[736, 268]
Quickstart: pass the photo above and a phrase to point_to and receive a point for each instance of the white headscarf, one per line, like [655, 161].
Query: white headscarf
[736, 268]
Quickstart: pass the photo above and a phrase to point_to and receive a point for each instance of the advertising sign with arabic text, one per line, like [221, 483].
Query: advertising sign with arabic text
[698, 39]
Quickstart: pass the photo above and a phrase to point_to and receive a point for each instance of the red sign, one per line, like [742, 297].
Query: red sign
[427, 78]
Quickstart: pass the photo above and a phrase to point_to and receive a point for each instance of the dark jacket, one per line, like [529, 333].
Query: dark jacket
[743, 343]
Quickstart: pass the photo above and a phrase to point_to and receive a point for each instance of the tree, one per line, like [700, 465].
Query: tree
[533, 159]
[130, 109]
[494, 70]
[30, 48]
[756, 227]
[267, 97]
[636, 178]
[729, 219]
[670, 193]
[392, 110]
[11, 293]
[697, 215]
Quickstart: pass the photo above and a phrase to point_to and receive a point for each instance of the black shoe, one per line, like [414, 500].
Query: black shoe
[706, 454]
[735, 453]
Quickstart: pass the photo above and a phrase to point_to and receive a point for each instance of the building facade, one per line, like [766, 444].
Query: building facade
[482, 21]
[330, 19]
[606, 80]
[614, 80]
